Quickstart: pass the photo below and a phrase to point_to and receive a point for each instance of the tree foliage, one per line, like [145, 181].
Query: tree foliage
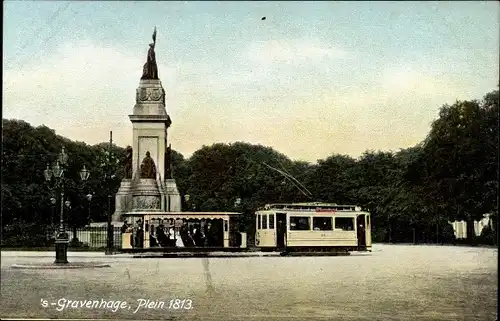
[411, 193]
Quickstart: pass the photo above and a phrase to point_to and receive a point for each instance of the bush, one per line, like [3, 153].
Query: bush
[488, 236]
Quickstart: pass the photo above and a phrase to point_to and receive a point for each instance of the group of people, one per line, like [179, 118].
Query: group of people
[137, 237]
[172, 235]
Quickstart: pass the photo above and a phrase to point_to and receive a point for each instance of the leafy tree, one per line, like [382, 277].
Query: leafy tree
[461, 154]
[411, 194]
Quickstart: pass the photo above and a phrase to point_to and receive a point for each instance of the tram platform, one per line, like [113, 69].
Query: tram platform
[205, 254]
[229, 252]
[196, 249]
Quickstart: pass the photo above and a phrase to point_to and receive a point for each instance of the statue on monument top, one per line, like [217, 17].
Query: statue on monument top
[148, 168]
[150, 70]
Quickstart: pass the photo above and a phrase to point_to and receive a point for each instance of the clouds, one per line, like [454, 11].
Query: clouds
[292, 95]
[291, 51]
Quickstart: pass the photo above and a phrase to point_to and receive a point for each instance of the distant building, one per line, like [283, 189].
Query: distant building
[460, 227]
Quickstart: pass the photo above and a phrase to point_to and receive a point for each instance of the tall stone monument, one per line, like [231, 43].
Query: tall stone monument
[148, 185]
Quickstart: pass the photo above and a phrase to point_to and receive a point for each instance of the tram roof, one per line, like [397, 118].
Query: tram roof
[310, 206]
[184, 215]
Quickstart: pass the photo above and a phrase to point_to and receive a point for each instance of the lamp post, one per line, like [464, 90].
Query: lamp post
[57, 173]
[186, 200]
[62, 239]
[84, 176]
[68, 211]
[89, 198]
[53, 203]
[109, 248]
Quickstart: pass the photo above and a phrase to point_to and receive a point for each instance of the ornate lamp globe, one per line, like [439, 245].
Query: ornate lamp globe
[67, 203]
[187, 197]
[63, 157]
[89, 197]
[84, 173]
[53, 200]
[57, 170]
[47, 173]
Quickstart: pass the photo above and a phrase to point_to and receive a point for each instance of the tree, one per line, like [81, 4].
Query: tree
[461, 154]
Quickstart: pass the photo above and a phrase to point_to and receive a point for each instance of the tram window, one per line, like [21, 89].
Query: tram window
[300, 223]
[271, 221]
[264, 222]
[344, 223]
[322, 224]
[258, 222]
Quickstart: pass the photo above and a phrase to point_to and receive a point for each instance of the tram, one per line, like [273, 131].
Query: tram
[293, 228]
[312, 227]
[179, 231]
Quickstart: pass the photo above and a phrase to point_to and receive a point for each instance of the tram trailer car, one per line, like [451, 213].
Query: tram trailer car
[313, 227]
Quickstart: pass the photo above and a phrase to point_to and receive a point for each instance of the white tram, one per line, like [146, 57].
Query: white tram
[313, 227]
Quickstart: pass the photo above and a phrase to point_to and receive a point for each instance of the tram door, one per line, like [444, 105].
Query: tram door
[361, 229]
[280, 230]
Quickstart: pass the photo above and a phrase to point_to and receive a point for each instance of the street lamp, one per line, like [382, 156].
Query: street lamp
[186, 200]
[89, 198]
[68, 214]
[57, 173]
[53, 202]
[84, 174]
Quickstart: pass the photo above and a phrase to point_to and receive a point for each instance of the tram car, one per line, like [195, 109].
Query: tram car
[180, 231]
[312, 227]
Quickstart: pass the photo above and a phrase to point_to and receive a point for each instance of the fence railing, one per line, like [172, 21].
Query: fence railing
[95, 237]
[86, 237]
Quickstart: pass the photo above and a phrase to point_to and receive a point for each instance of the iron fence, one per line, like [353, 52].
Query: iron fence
[94, 237]
[86, 237]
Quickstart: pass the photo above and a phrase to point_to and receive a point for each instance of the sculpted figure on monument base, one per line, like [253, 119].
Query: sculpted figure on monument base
[168, 162]
[128, 162]
[148, 168]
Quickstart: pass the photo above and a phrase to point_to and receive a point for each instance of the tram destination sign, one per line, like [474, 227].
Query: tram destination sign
[326, 210]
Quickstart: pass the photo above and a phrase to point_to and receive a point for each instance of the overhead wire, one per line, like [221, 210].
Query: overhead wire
[296, 180]
[289, 177]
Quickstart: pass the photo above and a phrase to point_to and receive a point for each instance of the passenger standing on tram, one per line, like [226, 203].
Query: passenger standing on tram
[211, 235]
[153, 241]
[160, 235]
[190, 235]
[135, 230]
[140, 236]
[197, 236]
[179, 242]
[361, 235]
[171, 236]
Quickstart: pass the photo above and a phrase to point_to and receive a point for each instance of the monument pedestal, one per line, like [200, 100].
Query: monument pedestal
[173, 197]
[123, 200]
[146, 196]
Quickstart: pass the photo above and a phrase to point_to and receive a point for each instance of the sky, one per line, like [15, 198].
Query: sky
[311, 80]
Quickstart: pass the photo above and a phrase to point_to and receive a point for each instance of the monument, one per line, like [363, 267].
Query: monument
[148, 184]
